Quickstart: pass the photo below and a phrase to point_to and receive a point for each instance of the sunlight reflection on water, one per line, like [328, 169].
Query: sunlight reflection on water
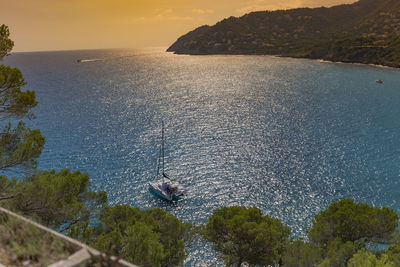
[286, 135]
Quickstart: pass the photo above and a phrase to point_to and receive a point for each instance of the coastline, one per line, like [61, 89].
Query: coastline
[346, 62]
[358, 63]
[284, 56]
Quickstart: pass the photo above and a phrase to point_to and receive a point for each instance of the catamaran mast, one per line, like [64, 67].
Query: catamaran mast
[162, 148]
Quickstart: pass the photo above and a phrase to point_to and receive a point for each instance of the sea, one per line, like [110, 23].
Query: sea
[289, 136]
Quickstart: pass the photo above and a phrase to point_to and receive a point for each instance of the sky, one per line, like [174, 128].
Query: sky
[43, 25]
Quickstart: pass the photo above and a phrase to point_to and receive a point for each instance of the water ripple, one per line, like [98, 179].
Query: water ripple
[286, 135]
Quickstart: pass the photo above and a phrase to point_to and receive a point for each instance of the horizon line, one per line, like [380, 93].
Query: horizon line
[87, 49]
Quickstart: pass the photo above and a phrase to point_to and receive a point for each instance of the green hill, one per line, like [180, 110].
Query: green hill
[367, 31]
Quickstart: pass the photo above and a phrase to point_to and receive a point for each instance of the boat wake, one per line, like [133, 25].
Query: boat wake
[88, 60]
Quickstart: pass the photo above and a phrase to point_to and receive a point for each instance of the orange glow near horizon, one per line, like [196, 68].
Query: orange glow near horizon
[40, 25]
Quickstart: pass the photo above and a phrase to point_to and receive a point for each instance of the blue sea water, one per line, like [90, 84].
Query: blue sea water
[286, 135]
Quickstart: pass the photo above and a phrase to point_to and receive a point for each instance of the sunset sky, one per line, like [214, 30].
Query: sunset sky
[39, 25]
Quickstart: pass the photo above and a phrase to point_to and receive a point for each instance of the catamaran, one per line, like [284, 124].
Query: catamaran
[165, 188]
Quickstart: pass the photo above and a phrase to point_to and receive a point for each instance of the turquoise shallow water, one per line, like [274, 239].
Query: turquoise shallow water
[286, 135]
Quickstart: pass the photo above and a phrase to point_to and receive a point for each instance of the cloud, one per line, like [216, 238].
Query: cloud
[260, 5]
[158, 16]
[202, 11]
[170, 17]
[167, 14]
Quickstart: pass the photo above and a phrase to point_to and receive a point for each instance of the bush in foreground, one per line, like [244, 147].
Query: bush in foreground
[150, 237]
[352, 221]
[246, 235]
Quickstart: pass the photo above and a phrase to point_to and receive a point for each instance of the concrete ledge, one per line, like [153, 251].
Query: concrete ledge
[79, 258]
[75, 259]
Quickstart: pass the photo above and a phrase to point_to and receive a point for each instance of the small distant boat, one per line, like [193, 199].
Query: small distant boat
[379, 81]
[165, 188]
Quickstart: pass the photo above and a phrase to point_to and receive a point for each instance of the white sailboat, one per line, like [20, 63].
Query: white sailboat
[165, 188]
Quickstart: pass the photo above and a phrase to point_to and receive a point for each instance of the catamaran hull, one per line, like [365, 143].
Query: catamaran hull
[154, 189]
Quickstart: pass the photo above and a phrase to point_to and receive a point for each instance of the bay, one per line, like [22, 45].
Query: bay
[286, 135]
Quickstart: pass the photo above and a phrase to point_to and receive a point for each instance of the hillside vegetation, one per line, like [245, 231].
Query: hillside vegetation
[367, 31]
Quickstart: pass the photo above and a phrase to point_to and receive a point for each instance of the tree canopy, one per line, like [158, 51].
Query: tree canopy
[338, 253]
[145, 237]
[246, 235]
[365, 258]
[301, 253]
[15, 103]
[19, 146]
[56, 199]
[393, 254]
[5, 42]
[352, 221]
